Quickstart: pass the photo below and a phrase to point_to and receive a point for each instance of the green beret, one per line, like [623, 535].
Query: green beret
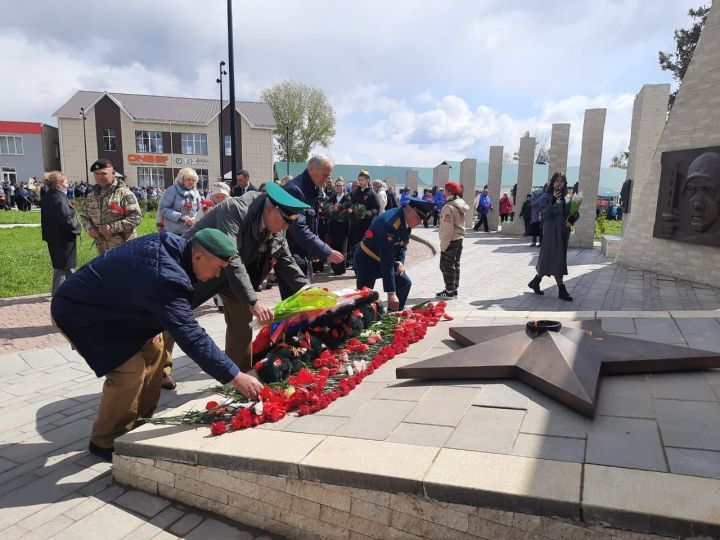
[289, 205]
[216, 243]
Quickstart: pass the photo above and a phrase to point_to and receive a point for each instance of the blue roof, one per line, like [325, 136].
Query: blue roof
[611, 178]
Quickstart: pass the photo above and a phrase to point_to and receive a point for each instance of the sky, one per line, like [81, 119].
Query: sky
[412, 82]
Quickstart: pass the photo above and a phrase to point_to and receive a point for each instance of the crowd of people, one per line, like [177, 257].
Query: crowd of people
[224, 242]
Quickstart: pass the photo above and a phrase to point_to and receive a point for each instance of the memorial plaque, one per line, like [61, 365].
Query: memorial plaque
[688, 208]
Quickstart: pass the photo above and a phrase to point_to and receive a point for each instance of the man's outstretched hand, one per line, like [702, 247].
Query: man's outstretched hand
[249, 386]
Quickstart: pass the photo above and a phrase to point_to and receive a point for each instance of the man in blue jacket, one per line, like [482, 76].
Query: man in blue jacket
[381, 252]
[302, 234]
[114, 309]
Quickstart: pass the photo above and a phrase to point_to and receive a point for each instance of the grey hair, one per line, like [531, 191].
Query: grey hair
[186, 172]
[54, 179]
[317, 161]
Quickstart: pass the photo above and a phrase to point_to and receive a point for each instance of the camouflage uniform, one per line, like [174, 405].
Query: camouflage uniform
[116, 207]
[452, 232]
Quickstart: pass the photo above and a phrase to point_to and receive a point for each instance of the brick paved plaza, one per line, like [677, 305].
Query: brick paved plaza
[48, 396]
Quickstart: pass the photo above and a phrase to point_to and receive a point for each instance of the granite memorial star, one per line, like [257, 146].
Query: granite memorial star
[565, 363]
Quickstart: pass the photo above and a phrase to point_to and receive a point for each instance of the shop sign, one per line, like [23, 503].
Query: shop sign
[144, 159]
[191, 161]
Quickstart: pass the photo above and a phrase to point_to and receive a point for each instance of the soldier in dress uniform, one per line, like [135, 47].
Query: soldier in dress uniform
[381, 252]
[111, 212]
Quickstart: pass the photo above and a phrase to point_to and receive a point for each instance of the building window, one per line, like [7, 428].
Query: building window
[202, 178]
[11, 145]
[194, 143]
[9, 174]
[228, 145]
[151, 177]
[109, 140]
[149, 142]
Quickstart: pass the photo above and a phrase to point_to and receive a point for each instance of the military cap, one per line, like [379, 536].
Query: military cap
[100, 164]
[288, 205]
[216, 243]
[421, 206]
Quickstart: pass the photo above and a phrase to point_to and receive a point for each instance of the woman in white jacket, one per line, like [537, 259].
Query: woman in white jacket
[379, 187]
[180, 204]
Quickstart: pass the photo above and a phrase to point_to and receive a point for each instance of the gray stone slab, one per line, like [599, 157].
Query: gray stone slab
[503, 395]
[143, 503]
[548, 417]
[557, 448]
[694, 462]
[12, 363]
[486, 430]
[420, 434]
[626, 395]
[684, 386]
[618, 326]
[442, 405]
[689, 424]
[350, 404]
[375, 419]
[404, 391]
[217, 530]
[625, 442]
[43, 358]
[701, 333]
[317, 423]
[659, 330]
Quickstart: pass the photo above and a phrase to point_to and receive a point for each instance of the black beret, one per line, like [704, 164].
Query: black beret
[100, 164]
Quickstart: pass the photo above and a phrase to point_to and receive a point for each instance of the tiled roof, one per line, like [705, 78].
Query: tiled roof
[170, 109]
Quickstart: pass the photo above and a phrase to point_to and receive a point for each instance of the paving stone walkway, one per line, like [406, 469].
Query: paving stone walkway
[51, 487]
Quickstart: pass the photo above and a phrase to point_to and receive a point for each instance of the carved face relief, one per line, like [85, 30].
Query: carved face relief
[703, 191]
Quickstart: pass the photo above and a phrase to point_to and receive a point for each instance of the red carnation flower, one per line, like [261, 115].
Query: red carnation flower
[368, 234]
[218, 428]
[210, 405]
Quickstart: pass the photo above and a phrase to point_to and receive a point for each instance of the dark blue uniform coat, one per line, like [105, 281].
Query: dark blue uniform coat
[382, 247]
[302, 233]
[115, 303]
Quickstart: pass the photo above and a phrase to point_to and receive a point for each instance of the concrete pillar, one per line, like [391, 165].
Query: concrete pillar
[558, 152]
[648, 122]
[526, 161]
[411, 181]
[494, 182]
[692, 124]
[590, 160]
[468, 176]
[441, 174]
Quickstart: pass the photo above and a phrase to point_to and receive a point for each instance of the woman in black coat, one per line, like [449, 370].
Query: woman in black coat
[556, 223]
[59, 228]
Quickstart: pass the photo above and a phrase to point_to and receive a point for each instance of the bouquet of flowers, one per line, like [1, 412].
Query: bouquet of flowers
[306, 376]
[575, 202]
[344, 211]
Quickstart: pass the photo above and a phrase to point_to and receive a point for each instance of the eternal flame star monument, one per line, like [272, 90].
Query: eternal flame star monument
[564, 362]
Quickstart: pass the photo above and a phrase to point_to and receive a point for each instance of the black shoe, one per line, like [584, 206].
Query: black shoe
[446, 295]
[168, 383]
[563, 294]
[104, 453]
[535, 285]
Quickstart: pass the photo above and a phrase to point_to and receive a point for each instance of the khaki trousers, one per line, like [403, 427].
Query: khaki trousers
[238, 336]
[131, 391]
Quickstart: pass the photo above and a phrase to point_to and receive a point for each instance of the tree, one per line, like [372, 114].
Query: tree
[620, 160]
[685, 42]
[305, 119]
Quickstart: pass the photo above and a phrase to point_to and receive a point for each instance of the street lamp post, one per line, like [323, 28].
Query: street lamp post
[222, 131]
[233, 114]
[82, 114]
[287, 147]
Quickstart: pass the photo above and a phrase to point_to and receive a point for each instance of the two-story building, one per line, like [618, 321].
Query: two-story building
[149, 138]
[27, 149]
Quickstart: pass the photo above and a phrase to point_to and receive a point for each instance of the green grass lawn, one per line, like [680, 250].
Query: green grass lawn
[25, 261]
[15, 216]
[610, 227]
